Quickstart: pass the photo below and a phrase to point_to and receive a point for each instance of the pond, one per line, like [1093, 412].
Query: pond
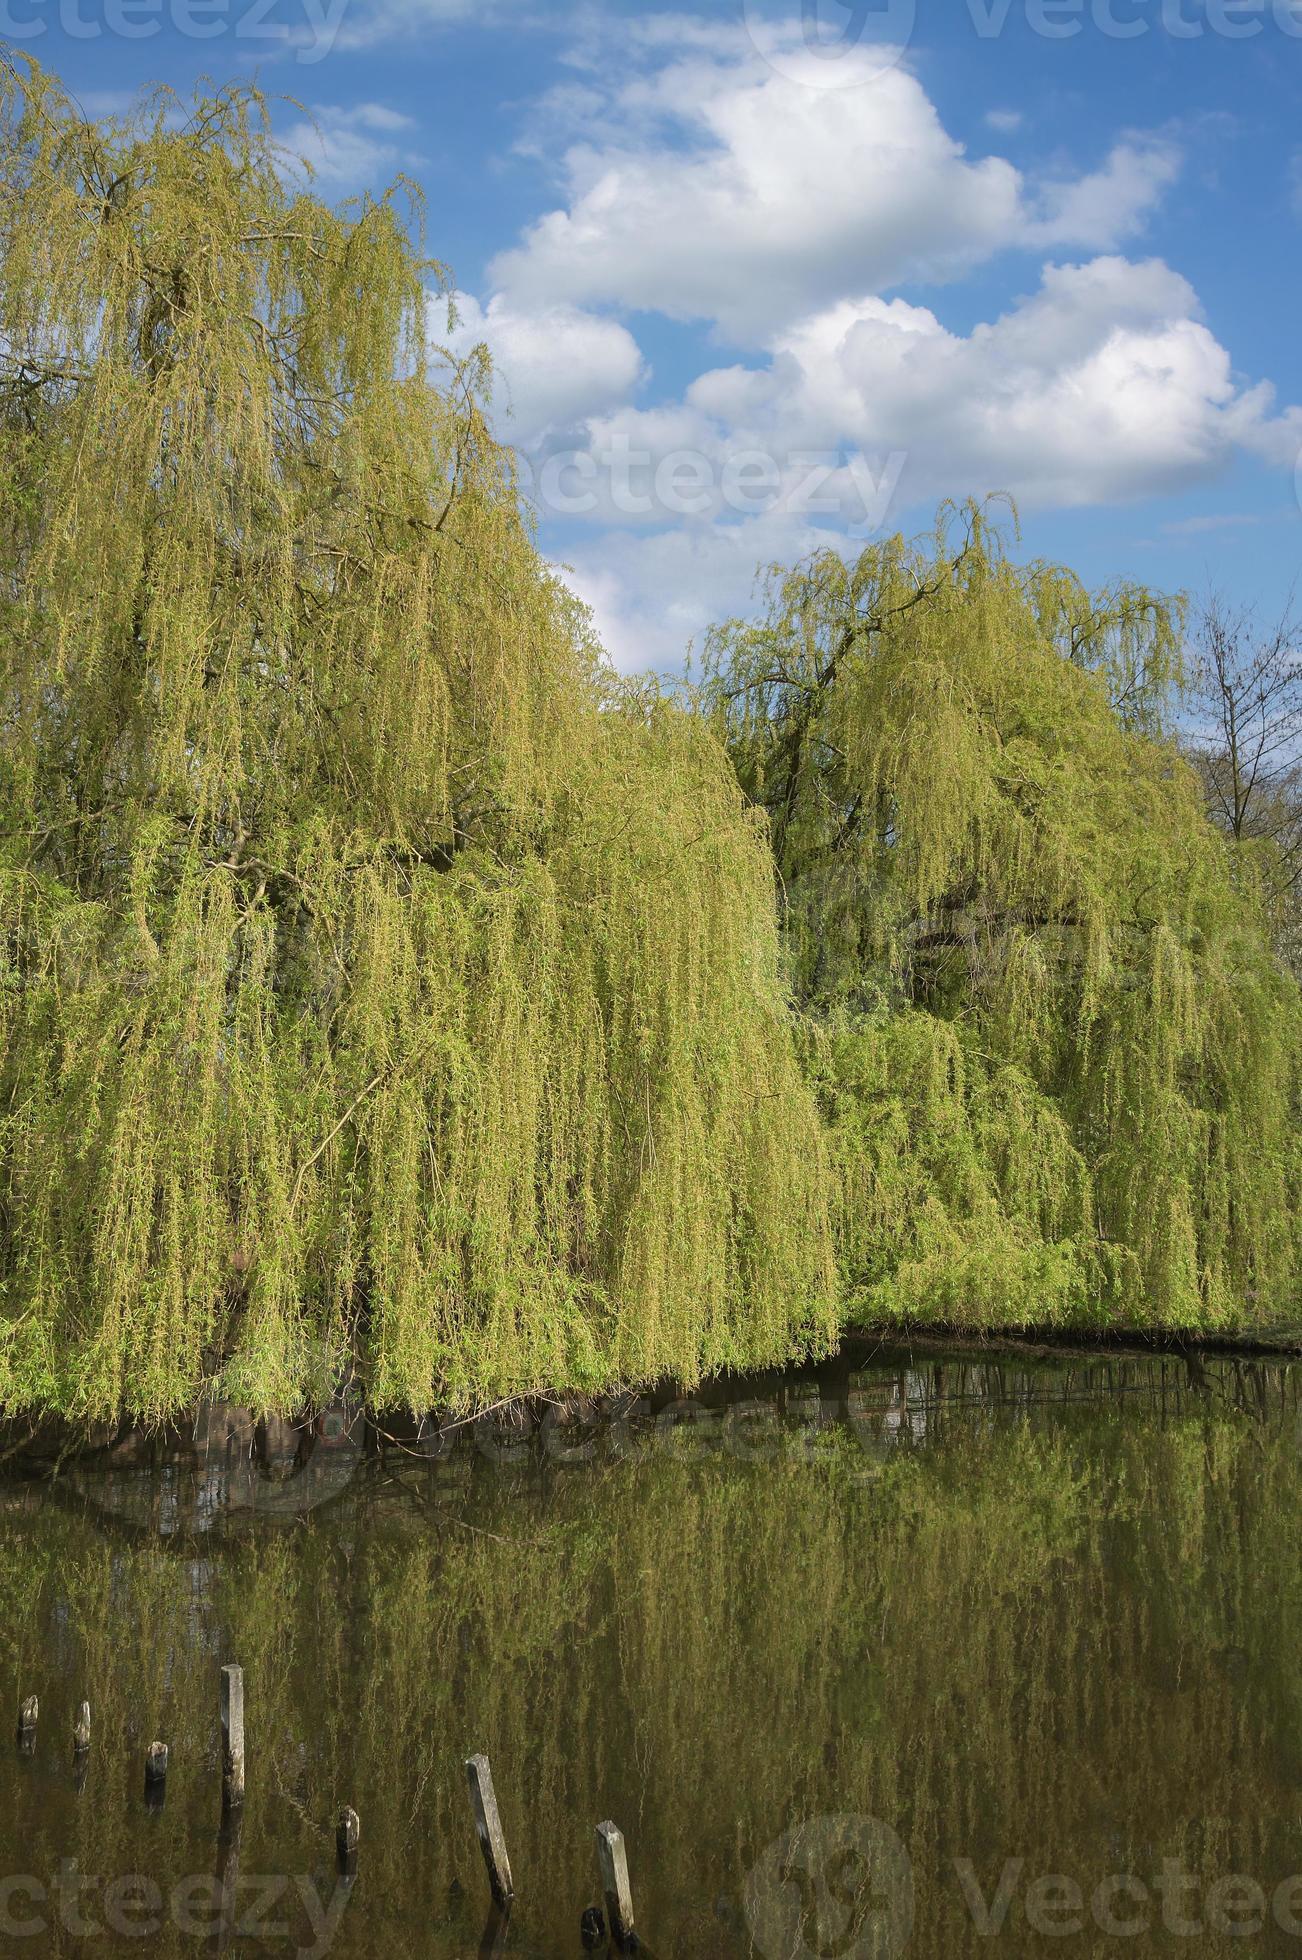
[931, 1653]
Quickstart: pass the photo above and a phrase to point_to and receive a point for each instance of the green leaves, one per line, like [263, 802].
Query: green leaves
[425, 1002]
[1061, 1066]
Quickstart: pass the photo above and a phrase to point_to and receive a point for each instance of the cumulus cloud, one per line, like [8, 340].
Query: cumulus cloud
[717, 188]
[554, 365]
[703, 180]
[1106, 205]
[653, 596]
[1275, 436]
[1103, 385]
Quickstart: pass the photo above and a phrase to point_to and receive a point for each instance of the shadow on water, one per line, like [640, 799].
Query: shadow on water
[912, 1654]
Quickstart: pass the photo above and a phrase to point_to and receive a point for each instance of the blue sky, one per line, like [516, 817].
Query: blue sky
[758, 277]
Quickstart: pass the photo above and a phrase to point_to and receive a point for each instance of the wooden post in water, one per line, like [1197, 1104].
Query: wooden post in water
[492, 1941]
[613, 1860]
[348, 1833]
[155, 1774]
[228, 1878]
[81, 1730]
[232, 1737]
[488, 1826]
[28, 1712]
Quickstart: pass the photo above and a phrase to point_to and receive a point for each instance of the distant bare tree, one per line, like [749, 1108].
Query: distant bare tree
[1247, 740]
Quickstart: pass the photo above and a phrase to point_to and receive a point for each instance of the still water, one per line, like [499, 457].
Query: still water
[930, 1653]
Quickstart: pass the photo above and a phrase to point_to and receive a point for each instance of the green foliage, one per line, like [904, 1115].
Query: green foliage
[383, 984]
[1059, 1061]
[376, 978]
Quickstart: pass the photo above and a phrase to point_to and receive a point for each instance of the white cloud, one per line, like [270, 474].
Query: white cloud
[1197, 527]
[353, 149]
[553, 364]
[109, 102]
[1106, 205]
[654, 596]
[1276, 438]
[702, 182]
[715, 188]
[374, 23]
[1104, 385]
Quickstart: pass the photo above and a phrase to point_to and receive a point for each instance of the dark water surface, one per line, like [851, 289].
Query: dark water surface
[842, 1657]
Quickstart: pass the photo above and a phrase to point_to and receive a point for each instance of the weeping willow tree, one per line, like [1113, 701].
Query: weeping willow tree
[380, 986]
[1059, 1062]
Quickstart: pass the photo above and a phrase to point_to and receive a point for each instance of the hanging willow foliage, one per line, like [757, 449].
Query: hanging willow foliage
[1059, 1063]
[377, 980]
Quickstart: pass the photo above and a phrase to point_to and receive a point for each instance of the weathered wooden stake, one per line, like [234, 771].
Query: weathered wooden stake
[348, 1833]
[81, 1729]
[613, 1860]
[28, 1712]
[492, 1941]
[155, 1774]
[232, 1737]
[228, 1877]
[488, 1825]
